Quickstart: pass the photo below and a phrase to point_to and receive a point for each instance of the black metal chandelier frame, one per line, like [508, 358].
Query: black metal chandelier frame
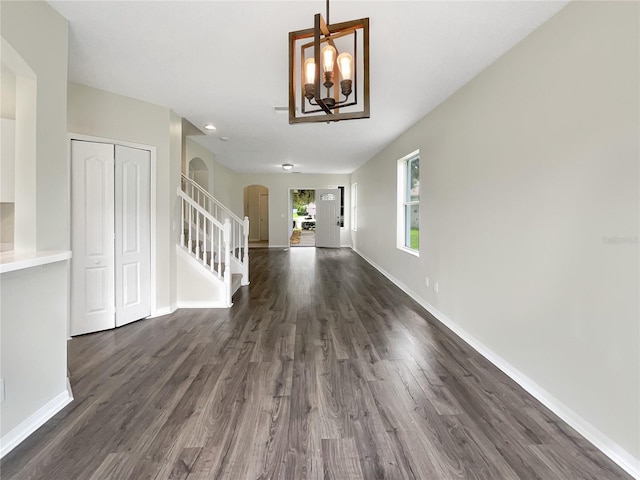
[312, 102]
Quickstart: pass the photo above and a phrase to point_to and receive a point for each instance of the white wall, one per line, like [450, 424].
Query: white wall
[530, 214]
[195, 150]
[175, 150]
[103, 114]
[224, 187]
[34, 302]
[34, 341]
[7, 160]
[7, 92]
[27, 26]
[197, 288]
[279, 185]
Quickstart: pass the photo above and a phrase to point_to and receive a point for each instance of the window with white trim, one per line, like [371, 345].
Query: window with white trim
[354, 207]
[408, 234]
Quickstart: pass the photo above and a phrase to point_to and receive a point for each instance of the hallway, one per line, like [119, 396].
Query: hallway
[322, 369]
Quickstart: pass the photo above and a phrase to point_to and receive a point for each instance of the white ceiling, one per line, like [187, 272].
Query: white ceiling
[225, 62]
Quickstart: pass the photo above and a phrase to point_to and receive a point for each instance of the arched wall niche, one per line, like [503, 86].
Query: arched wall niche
[199, 172]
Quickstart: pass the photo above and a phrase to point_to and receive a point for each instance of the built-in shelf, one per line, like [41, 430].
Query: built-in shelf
[12, 261]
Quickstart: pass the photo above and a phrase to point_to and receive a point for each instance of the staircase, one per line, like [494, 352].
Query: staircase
[215, 241]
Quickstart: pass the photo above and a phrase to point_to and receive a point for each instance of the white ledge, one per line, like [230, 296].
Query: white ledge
[12, 261]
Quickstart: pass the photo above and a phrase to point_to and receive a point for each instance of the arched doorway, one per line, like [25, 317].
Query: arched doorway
[256, 207]
[199, 172]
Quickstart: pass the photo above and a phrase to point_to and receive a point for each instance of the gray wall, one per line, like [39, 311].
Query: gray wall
[530, 215]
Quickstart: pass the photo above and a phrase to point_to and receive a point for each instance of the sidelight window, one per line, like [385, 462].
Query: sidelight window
[408, 234]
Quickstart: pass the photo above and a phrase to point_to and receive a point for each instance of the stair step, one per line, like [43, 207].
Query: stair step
[236, 282]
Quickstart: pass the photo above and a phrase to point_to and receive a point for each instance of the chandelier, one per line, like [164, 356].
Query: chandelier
[329, 71]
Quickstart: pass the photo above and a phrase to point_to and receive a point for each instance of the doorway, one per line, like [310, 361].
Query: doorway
[256, 207]
[303, 217]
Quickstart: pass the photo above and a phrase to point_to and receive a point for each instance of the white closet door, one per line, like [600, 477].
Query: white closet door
[133, 240]
[92, 217]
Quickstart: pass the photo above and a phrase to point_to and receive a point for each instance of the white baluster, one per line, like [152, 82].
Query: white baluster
[227, 259]
[190, 229]
[197, 234]
[182, 207]
[204, 240]
[212, 247]
[220, 256]
[245, 256]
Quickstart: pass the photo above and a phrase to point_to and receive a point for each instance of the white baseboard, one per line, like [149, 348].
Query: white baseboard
[159, 312]
[202, 305]
[14, 437]
[603, 443]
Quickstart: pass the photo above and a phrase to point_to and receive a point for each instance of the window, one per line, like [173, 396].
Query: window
[409, 203]
[354, 207]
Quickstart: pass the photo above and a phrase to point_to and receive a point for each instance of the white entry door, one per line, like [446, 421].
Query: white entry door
[133, 238]
[110, 218]
[328, 218]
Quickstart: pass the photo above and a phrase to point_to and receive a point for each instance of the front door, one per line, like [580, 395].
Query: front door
[328, 218]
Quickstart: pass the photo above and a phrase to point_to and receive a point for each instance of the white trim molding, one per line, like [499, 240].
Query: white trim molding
[611, 449]
[187, 304]
[34, 421]
[160, 312]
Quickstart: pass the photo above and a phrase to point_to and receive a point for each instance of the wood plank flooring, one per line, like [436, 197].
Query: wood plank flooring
[322, 369]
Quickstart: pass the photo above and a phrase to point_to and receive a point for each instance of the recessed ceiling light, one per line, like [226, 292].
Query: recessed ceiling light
[224, 139]
[209, 126]
[287, 166]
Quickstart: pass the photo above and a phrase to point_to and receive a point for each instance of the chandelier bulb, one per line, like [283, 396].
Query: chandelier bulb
[328, 54]
[345, 64]
[309, 71]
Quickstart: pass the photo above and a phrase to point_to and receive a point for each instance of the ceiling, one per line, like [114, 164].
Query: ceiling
[225, 63]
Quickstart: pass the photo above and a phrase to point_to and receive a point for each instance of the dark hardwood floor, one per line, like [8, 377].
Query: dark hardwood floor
[322, 369]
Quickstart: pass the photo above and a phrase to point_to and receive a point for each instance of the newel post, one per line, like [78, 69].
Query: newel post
[227, 258]
[245, 253]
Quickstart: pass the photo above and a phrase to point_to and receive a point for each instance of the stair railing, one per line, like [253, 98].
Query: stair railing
[207, 240]
[239, 228]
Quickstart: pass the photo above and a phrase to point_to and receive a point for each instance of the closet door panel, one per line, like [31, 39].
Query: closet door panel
[92, 217]
[132, 219]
